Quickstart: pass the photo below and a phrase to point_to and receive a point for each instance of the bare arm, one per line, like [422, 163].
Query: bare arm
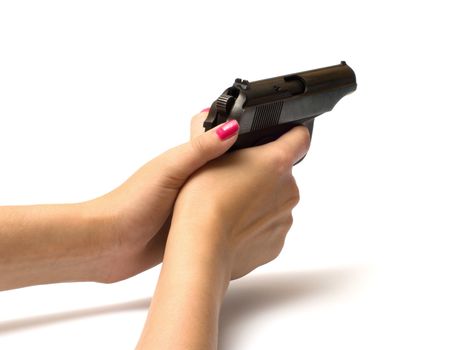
[230, 217]
[109, 238]
[49, 243]
[186, 304]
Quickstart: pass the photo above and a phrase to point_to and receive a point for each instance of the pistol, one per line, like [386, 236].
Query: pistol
[266, 109]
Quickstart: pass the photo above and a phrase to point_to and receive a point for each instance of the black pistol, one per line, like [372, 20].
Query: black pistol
[266, 109]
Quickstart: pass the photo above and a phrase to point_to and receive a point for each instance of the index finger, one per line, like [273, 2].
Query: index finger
[294, 144]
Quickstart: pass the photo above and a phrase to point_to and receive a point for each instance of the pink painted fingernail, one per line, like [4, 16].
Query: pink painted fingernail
[228, 129]
[205, 110]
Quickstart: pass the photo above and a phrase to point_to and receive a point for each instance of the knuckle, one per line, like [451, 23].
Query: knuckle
[289, 221]
[280, 161]
[295, 194]
[198, 145]
[278, 247]
[280, 238]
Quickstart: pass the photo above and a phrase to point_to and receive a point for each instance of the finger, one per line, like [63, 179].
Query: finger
[294, 144]
[196, 125]
[180, 162]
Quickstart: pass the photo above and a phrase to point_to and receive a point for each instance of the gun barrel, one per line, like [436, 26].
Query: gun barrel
[307, 82]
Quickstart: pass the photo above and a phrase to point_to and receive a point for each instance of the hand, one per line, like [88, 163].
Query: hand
[236, 210]
[138, 213]
[231, 216]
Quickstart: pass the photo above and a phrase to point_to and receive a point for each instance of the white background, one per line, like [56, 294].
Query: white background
[377, 256]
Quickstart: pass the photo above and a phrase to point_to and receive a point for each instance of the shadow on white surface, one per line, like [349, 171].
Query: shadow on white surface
[250, 297]
[246, 298]
[45, 320]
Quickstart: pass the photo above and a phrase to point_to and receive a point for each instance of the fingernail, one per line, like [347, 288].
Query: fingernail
[205, 110]
[228, 129]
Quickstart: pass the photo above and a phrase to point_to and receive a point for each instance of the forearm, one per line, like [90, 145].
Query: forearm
[46, 244]
[185, 309]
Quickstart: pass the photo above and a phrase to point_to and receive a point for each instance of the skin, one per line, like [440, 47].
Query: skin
[213, 217]
[107, 239]
[239, 224]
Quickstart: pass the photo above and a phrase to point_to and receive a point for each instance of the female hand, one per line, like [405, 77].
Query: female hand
[109, 238]
[231, 216]
[138, 213]
[236, 210]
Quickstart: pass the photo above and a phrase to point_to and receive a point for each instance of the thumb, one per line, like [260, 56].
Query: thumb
[180, 162]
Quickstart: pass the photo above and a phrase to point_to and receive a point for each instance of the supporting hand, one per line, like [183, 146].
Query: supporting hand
[231, 216]
[111, 237]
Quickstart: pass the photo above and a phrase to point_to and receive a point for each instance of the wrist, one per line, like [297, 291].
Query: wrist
[100, 225]
[191, 286]
[200, 249]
